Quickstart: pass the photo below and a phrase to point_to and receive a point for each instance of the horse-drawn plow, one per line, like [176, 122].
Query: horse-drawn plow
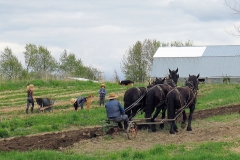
[157, 99]
[113, 128]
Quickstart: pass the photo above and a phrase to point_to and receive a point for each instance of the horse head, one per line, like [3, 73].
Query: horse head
[173, 74]
[156, 81]
[192, 82]
[159, 80]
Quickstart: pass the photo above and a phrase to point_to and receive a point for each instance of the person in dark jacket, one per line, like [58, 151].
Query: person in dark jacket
[102, 93]
[78, 102]
[115, 110]
[30, 97]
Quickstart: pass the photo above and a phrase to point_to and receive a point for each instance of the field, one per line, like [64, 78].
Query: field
[216, 123]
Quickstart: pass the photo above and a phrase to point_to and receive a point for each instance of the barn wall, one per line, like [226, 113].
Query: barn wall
[219, 80]
[208, 67]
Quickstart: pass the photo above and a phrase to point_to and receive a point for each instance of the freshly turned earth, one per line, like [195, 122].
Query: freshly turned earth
[90, 136]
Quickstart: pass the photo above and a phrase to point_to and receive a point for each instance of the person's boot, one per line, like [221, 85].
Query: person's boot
[125, 125]
[27, 111]
[120, 125]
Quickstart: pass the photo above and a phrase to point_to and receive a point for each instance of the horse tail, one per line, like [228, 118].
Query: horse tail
[149, 104]
[170, 105]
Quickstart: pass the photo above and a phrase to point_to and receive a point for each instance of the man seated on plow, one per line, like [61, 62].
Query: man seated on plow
[115, 111]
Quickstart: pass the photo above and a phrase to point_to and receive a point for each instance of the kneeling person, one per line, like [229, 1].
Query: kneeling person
[115, 110]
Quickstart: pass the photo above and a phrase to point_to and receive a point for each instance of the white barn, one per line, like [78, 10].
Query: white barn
[213, 63]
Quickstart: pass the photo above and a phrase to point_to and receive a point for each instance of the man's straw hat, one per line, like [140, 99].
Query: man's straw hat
[103, 85]
[30, 86]
[112, 96]
[73, 100]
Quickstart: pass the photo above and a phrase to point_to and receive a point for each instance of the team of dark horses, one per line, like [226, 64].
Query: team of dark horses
[161, 96]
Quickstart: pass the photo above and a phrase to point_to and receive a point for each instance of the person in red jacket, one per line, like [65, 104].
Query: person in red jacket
[30, 97]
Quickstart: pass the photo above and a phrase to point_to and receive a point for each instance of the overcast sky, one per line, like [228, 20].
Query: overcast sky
[99, 32]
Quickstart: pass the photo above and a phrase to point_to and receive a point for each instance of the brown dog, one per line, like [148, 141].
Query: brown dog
[89, 100]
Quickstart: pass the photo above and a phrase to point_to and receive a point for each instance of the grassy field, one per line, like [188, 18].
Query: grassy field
[15, 122]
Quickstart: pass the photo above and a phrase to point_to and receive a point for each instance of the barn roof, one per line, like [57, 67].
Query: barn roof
[209, 61]
[219, 51]
[207, 51]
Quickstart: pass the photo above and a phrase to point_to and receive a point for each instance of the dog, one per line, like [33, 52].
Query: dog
[126, 83]
[89, 100]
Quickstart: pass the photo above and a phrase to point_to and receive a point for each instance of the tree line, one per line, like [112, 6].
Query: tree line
[136, 63]
[40, 64]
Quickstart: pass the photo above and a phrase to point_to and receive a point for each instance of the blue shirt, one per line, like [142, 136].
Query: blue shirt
[102, 91]
[80, 101]
[114, 109]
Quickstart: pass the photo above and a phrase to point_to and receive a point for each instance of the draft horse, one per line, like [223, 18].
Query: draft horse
[156, 98]
[180, 98]
[173, 76]
[134, 100]
[156, 81]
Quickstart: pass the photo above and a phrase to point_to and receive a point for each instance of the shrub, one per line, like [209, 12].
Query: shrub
[4, 133]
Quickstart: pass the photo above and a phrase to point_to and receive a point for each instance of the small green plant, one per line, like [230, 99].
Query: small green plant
[4, 133]
[226, 79]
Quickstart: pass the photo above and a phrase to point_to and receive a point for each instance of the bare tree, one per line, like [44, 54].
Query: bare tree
[235, 6]
[115, 76]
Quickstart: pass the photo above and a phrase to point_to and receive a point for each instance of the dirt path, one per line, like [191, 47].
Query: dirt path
[87, 141]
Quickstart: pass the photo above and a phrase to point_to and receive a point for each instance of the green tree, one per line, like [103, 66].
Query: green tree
[137, 62]
[149, 49]
[133, 65]
[39, 61]
[30, 56]
[10, 67]
[70, 65]
[45, 61]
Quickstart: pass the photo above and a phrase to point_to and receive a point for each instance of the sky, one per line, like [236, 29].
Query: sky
[100, 32]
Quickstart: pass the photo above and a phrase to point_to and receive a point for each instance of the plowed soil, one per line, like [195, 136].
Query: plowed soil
[90, 139]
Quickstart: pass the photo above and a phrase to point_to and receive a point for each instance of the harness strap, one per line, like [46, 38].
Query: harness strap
[136, 102]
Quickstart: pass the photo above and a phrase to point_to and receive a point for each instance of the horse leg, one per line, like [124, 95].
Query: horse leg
[183, 124]
[189, 127]
[163, 117]
[172, 125]
[148, 115]
[153, 126]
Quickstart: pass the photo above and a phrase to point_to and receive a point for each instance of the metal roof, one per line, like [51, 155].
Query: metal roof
[216, 61]
[179, 52]
[219, 51]
[216, 51]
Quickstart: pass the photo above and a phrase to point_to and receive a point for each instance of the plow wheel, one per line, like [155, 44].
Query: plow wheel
[132, 130]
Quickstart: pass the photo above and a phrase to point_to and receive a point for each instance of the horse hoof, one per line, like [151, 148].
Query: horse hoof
[189, 129]
[154, 130]
[161, 126]
[183, 125]
[171, 132]
[176, 130]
